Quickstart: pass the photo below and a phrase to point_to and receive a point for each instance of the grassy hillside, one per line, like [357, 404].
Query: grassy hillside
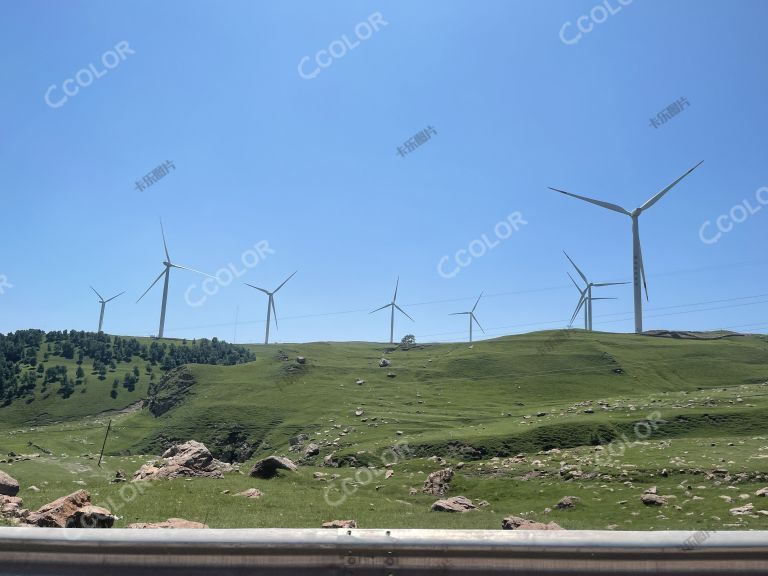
[559, 397]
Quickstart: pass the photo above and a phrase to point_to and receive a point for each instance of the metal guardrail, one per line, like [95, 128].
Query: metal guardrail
[277, 552]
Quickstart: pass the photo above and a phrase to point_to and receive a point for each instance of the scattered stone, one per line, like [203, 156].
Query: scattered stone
[515, 523]
[762, 492]
[72, 511]
[268, 467]
[388, 474]
[460, 465]
[568, 503]
[171, 523]
[742, 510]
[359, 381]
[438, 482]
[391, 375]
[8, 485]
[540, 414]
[33, 488]
[399, 432]
[359, 411]
[483, 504]
[119, 477]
[297, 442]
[312, 449]
[11, 508]
[301, 360]
[653, 500]
[340, 524]
[383, 363]
[253, 493]
[454, 504]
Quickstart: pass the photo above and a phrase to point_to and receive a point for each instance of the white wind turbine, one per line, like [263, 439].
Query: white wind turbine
[271, 303]
[103, 305]
[393, 305]
[637, 255]
[586, 296]
[472, 318]
[167, 273]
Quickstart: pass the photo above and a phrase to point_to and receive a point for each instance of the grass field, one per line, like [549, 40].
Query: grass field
[687, 416]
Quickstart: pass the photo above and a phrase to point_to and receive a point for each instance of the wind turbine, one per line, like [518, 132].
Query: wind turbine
[271, 303]
[103, 305]
[637, 254]
[587, 294]
[167, 273]
[582, 293]
[472, 318]
[393, 305]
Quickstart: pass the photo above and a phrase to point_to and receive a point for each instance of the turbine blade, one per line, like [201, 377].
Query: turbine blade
[113, 297]
[162, 230]
[274, 312]
[382, 308]
[574, 283]
[478, 323]
[150, 286]
[404, 312]
[601, 298]
[284, 281]
[458, 313]
[193, 270]
[642, 268]
[397, 284]
[577, 268]
[608, 205]
[97, 294]
[658, 196]
[478, 301]
[257, 288]
[582, 300]
[611, 283]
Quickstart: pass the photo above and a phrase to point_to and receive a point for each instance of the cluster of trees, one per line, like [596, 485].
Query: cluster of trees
[20, 369]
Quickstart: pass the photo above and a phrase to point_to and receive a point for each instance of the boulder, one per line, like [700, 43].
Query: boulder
[438, 482]
[515, 523]
[11, 508]
[171, 523]
[268, 467]
[301, 360]
[72, 511]
[762, 492]
[312, 449]
[340, 524]
[251, 493]
[742, 510]
[8, 486]
[119, 477]
[188, 460]
[297, 441]
[568, 502]
[650, 499]
[383, 363]
[453, 504]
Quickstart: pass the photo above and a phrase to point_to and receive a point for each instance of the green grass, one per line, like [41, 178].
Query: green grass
[459, 402]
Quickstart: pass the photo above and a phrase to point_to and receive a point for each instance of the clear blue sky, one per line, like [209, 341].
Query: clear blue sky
[311, 166]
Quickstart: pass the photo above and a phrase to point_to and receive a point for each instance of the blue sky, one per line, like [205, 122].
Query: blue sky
[310, 166]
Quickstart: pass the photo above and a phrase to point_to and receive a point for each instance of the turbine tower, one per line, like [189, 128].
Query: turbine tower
[638, 270]
[167, 273]
[393, 305]
[472, 318]
[271, 303]
[103, 305]
[587, 298]
[582, 293]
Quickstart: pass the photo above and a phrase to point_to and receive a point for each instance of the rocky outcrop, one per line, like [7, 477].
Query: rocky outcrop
[762, 492]
[312, 449]
[438, 482]
[8, 485]
[515, 523]
[11, 509]
[268, 467]
[340, 524]
[454, 504]
[188, 460]
[568, 502]
[72, 511]
[169, 391]
[171, 523]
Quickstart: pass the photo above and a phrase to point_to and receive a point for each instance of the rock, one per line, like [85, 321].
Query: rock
[762, 492]
[11, 508]
[340, 524]
[301, 360]
[391, 375]
[383, 363]
[540, 414]
[651, 490]
[34, 489]
[742, 510]
[312, 449]
[460, 465]
[8, 485]
[268, 467]
[298, 440]
[454, 504]
[171, 523]
[187, 460]
[515, 523]
[253, 493]
[359, 381]
[438, 482]
[568, 502]
[359, 411]
[119, 477]
[653, 500]
[319, 475]
[388, 474]
[483, 504]
[72, 511]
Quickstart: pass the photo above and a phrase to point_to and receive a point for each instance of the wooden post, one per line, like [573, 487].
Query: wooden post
[105, 443]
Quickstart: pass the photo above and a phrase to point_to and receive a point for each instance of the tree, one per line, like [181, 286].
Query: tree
[408, 340]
